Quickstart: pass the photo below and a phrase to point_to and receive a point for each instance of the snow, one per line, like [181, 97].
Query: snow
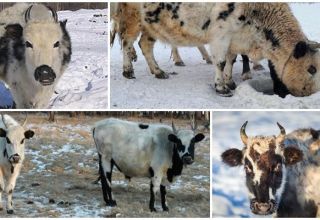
[84, 84]
[192, 87]
[230, 197]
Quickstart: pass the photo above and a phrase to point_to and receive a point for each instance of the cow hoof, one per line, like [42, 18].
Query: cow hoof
[246, 76]
[111, 203]
[179, 63]
[225, 92]
[209, 62]
[166, 209]
[162, 75]
[258, 67]
[1, 209]
[153, 210]
[232, 85]
[128, 74]
[10, 211]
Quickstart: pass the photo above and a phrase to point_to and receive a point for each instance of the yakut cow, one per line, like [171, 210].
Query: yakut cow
[12, 144]
[36, 50]
[259, 30]
[156, 151]
[282, 172]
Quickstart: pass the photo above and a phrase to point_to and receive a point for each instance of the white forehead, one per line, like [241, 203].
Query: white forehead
[43, 32]
[185, 136]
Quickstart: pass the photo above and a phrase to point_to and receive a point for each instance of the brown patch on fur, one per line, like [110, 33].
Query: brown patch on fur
[253, 153]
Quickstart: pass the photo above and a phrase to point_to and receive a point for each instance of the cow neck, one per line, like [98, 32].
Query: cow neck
[177, 165]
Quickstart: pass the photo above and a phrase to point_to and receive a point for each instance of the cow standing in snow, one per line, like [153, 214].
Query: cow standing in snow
[282, 172]
[259, 30]
[36, 49]
[12, 144]
[156, 151]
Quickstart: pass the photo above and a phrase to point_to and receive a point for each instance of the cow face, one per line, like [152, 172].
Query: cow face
[301, 73]
[185, 141]
[264, 160]
[15, 136]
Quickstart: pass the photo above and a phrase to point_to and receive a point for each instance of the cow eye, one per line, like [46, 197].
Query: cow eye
[56, 44]
[277, 168]
[247, 169]
[22, 141]
[8, 141]
[312, 70]
[28, 44]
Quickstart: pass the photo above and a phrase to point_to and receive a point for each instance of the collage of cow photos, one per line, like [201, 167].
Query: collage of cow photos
[114, 109]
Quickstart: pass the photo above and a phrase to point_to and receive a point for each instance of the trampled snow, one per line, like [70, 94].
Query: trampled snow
[230, 196]
[84, 84]
[192, 87]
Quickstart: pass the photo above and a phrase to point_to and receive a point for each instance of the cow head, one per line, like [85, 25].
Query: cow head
[264, 159]
[301, 72]
[15, 136]
[184, 142]
[43, 38]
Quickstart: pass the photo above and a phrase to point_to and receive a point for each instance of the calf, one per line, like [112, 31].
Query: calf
[12, 143]
[282, 172]
[155, 151]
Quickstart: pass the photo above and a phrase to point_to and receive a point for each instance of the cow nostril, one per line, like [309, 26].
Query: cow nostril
[44, 74]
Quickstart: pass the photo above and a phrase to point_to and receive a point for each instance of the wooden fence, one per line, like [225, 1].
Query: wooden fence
[61, 6]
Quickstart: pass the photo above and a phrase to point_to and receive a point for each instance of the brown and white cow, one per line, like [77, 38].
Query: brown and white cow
[12, 144]
[282, 172]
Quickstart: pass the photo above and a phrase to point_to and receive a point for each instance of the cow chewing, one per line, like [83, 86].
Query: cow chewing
[12, 144]
[282, 172]
[156, 151]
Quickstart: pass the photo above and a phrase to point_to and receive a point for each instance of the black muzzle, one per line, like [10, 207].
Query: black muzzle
[45, 75]
[187, 159]
[14, 159]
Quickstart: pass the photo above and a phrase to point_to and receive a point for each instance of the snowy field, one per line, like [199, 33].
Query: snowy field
[192, 87]
[61, 165]
[85, 82]
[230, 198]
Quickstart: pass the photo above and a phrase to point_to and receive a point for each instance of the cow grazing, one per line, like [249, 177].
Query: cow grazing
[259, 30]
[156, 151]
[12, 144]
[36, 49]
[282, 172]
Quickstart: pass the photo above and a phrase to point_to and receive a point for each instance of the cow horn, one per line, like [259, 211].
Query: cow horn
[27, 14]
[2, 118]
[174, 128]
[313, 44]
[54, 14]
[243, 134]
[282, 132]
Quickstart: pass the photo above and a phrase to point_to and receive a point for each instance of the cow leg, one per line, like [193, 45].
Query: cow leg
[163, 198]
[176, 57]
[228, 71]
[11, 183]
[246, 73]
[204, 54]
[1, 189]
[105, 169]
[146, 44]
[154, 186]
[129, 55]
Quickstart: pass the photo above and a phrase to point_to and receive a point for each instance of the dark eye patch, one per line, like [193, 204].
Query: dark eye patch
[21, 142]
[8, 141]
[312, 70]
[28, 44]
[56, 44]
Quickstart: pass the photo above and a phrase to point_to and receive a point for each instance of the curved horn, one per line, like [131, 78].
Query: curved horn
[243, 134]
[27, 14]
[313, 44]
[174, 128]
[3, 121]
[282, 132]
[54, 13]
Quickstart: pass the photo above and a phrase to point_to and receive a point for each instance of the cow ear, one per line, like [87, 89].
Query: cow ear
[232, 157]
[3, 132]
[28, 134]
[292, 155]
[64, 23]
[14, 31]
[173, 138]
[199, 137]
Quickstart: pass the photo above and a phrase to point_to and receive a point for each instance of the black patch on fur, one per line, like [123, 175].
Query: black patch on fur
[12, 169]
[181, 23]
[271, 37]
[225, 14]
[151, 172]
[177, 165]
[66, 41]
[151, 203]
[5, 153]
[242, 18]
[163, 198]
[151, 39]
[206, 25]
[10, 191]
[153, 16]
[221, 65]
[300, 49]
[279, 87]
[142, 126]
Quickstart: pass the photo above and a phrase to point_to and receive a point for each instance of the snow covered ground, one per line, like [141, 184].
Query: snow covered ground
[230, 198]
[85, 82]
[192, 87]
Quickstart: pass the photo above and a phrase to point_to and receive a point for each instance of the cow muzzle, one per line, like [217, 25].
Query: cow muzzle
[14, 159]
[45, 75]
[263, 208]
[187, 159]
